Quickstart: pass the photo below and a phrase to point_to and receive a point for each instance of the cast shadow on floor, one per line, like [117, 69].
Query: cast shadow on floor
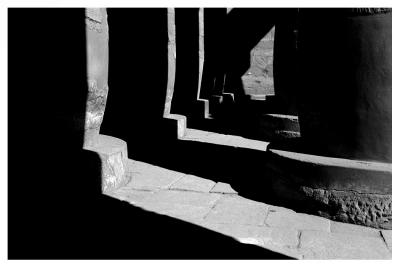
[78, 222]
[246, 170]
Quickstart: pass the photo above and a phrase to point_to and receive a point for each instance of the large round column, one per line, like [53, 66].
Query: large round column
[340, 167]
[346, 82]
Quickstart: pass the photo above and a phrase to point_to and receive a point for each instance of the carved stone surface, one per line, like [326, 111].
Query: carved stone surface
[96, 104]
[342, 190]
[372, 210]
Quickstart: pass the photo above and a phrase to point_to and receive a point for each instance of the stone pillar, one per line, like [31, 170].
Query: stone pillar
[346, 83]
[97, 71]
[340, 167]
[112, 151]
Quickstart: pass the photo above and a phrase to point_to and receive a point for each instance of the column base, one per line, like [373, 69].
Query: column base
[346, 190]
[113, 153]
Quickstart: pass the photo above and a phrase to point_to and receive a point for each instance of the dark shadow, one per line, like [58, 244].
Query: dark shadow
[245, 27]
[138, 64]
[138, 73]
[187, 63]
[55, 207]
[246, 170]
[50, 175]
[228, 41]
[214, 39]
[345, 74]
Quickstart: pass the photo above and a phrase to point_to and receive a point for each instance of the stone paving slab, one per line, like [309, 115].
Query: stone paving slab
[387, 236]
[149, 177]
[189, 213]
[321, 245]
[277, 236]
[352, 229]
[273, 208]
[131, 195]
[223, 188]
[300, 221]
[279, 229]
[183, 198]
[193, 183]
[238, 211]
[288, 251]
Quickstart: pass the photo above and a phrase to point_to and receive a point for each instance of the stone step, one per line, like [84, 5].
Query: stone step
[113, 153]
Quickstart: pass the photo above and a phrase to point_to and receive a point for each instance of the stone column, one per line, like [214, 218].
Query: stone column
[112, 151]
[97, 71]
[341, 167]
[346, 83]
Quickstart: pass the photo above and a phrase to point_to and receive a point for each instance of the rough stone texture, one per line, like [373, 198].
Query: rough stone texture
[344, 190]
[97, 65]
[223, 188]
[342, 246]
[352, 229]
[298, 221]
[307, 168]
[149, 177]
[193, 183]
[113, 154]
[236, 210]
[387, 236]
[113, 171]
[371, 210]
[258, 79]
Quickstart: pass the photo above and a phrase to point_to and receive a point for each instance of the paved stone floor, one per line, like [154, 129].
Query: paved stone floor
[217, 207]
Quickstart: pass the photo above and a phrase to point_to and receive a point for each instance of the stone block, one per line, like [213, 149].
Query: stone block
[184, 198]
[298, 221]
[363, 198]
[113, 153]
[94, 14]
[149, 177]
[352, 229]
[193, 183]
[236, 210]
[183, 212]
[130, 195]
[321, 245]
